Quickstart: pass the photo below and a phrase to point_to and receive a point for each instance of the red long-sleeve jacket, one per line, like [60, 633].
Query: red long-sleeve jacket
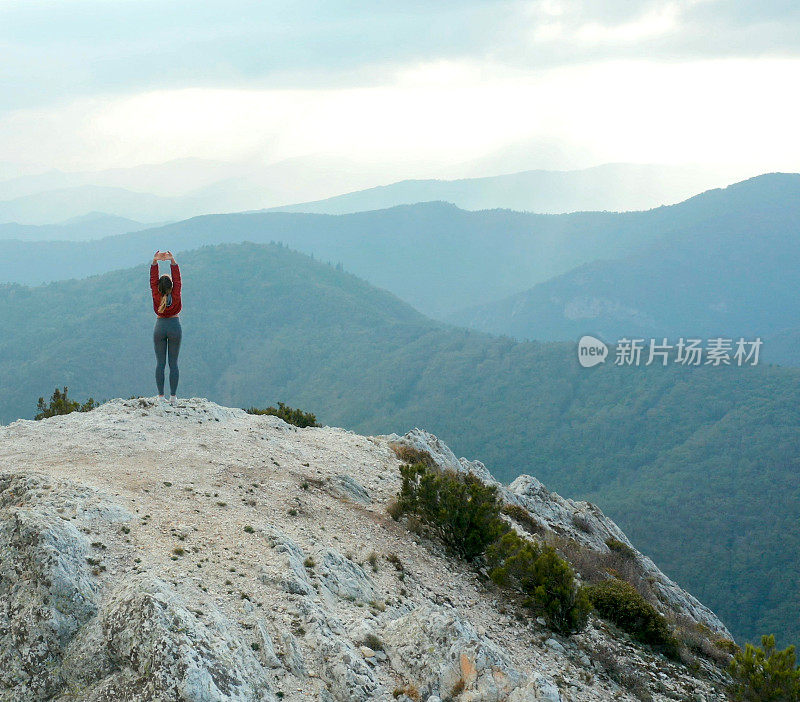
[175, 307]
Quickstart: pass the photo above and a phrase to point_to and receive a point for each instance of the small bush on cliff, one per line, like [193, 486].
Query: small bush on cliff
[461, 510]
[765, 674]
[61, 403]
[465, 514]
[412, 455]
[621, 548]
[596, 566]
[524, 518]
[288, 415]
[620, 603]
[622, 671]
[546, 580]
[699, 640]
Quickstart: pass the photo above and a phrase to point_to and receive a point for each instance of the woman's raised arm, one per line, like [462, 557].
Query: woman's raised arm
[176, 273]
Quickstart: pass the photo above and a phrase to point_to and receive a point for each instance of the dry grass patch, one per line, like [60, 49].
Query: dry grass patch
[411, 455]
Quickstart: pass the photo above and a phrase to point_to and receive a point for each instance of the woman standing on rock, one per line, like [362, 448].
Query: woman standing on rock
[167, 333]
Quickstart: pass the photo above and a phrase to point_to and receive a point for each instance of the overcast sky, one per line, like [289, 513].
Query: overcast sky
[94, 84]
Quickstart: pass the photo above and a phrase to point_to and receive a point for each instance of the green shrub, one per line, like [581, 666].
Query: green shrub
[465, 514]
[461, 510]
[510, 561]
[765, 674]
[620, 603]
[288, 415]
[546, 580]
[60, 403]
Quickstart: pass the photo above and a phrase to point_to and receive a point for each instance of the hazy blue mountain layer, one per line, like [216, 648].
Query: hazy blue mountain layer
[735, 274]
[441, 259]
[95, 225]
[187, 187]
[612, 187]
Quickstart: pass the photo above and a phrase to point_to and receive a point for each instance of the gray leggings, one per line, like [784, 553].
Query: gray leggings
[167, 340]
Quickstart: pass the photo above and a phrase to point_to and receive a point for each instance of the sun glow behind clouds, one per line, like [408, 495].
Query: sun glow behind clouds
[553, 27]
[713, 111]
[657, 22]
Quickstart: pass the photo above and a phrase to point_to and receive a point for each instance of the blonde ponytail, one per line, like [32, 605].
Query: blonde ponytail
[165, 288]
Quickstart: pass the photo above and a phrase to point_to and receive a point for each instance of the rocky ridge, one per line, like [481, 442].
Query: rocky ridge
[200, 553]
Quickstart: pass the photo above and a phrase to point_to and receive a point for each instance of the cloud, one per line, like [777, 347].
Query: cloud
[722, 111]
[102, 83]
[56, 50]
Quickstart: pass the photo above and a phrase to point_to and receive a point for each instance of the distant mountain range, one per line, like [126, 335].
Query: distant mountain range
[54, 206]
[187, 187]
[611, 187]
[169, 179]
[689, 460]
[433, 255]
[94, 225]
[737, 272]
[177, 189]
[722, 262]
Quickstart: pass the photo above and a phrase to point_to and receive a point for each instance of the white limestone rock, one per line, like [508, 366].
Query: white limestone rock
[154, 648]
[442, 653]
